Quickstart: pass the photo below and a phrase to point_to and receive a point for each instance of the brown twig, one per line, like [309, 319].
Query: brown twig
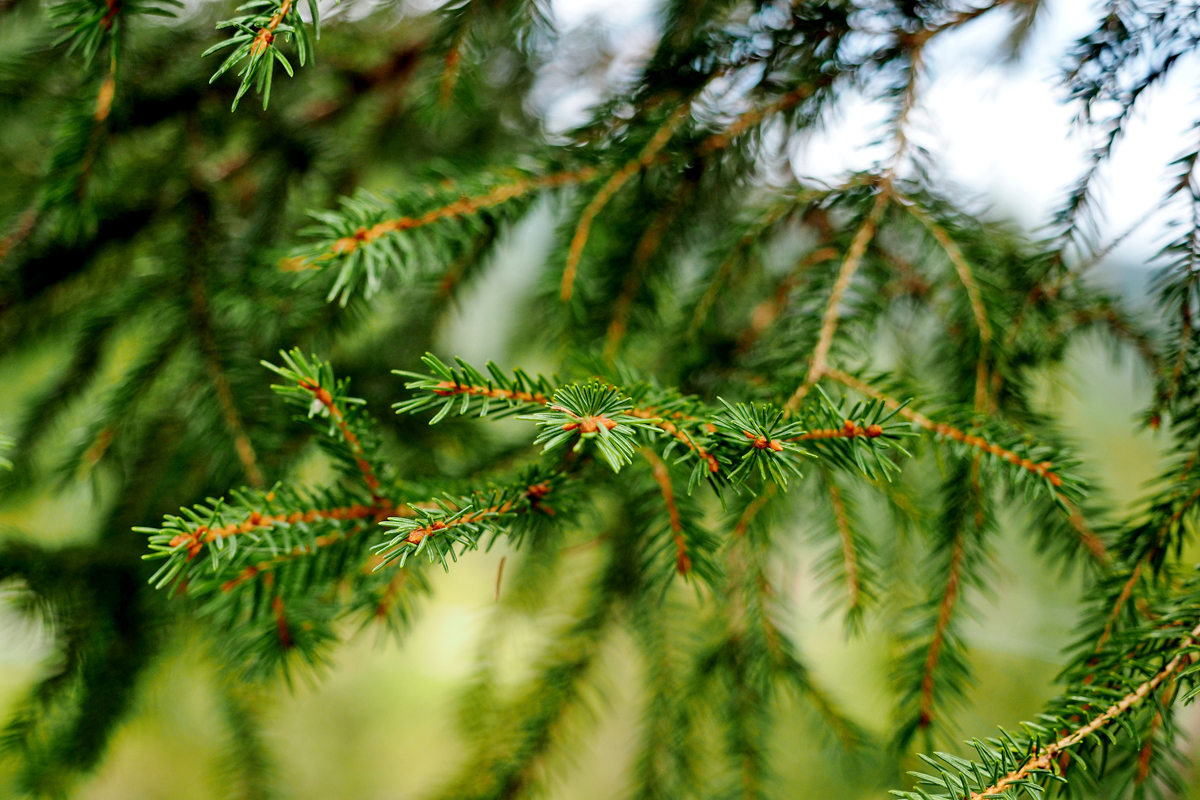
[19, 232]
[858, 248]
[257, 520]
[683, 562]
[212, 360]
[322, 396]
[945, 609]
[449, 388]
[454, 57]
[722, 273]
[849, 557]
[647, 246]
[978, 309]
[766, 312]
[266, 34]
[850, 430]
[388, 600]
[459, 208]
[281, 623]
[499, 578]
[610, 188]
[751, 511]
[719, 141]
[1043, 469]
[680, 434]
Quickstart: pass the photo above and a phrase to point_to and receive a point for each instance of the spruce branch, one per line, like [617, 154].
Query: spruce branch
[1061, 485]
[752, 236]
[867, 431]
[436, 527]
[944, 611]
[934, 671]
[520, 393]
[613, 185]
[220, 381]
[453, 59]
[677, 220]
[858, 248]
[647, 246]
[767, 312]
[850, 560]
[978, 309]
[535, 721]
[24, 226]
[772, 452]
[750, 120]
[1008, 766]
[685, 429]
[609, 413]
[254, 43]
[368, 237]
[312, 387]
[683, 562]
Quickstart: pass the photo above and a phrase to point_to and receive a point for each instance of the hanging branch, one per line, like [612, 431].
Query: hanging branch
[966, 275]
[663, 478]
[613, 185]
[233, 420]
[854, 256]
[647, 246]
[849, 554]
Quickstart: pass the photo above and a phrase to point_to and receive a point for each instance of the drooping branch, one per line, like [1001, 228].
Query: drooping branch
[846, 536]
[751, 118]
[945, 610]
[978, 309]
[229, 411]
[854, 256]
[727, 264]
[1043, 469]
[683, 562]
[610, 188]
[647, 246]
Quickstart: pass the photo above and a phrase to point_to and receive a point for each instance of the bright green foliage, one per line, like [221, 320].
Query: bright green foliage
[594, 412]
[254, 45]
[863, 357]
[771, 453]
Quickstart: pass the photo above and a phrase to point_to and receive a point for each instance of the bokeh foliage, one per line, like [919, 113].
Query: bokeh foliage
[727, 354]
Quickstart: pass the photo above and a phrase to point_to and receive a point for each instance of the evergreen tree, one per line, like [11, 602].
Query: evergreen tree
[727, 352]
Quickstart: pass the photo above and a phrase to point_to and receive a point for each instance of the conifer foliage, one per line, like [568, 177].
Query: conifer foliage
[725, 366]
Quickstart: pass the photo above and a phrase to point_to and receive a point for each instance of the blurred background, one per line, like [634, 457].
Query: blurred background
[383, 722]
